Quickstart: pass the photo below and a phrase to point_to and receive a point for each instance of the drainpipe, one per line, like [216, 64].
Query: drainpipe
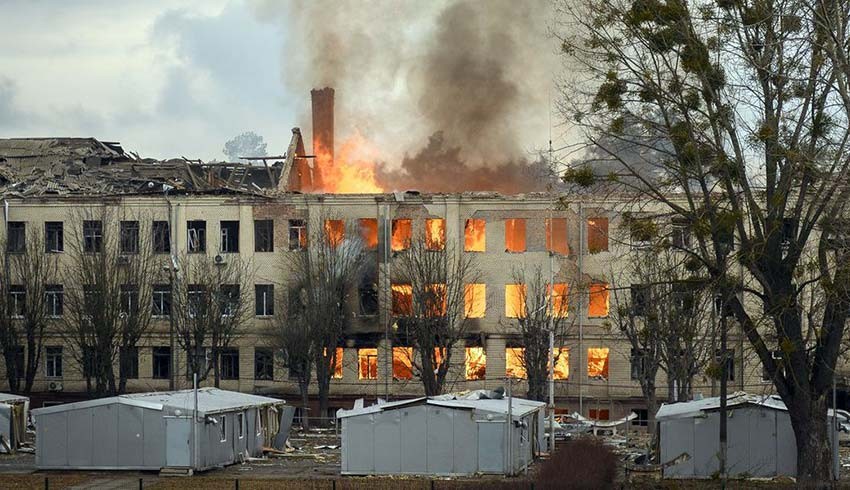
[172, 275]
[581, 234]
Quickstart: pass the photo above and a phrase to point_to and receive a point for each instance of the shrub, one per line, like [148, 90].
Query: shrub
[583, 463]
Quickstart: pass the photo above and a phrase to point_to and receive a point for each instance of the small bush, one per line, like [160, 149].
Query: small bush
[583, 463]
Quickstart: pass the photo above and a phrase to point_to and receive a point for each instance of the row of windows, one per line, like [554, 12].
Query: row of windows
[401, 235]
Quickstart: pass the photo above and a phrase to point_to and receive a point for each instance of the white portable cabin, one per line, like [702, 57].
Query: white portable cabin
[13, 421]
[760, 440]
[151, 431]
[441, 436]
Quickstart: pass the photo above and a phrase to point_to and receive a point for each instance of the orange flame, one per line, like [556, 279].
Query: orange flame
[352, 171]
[474, 237]
[435, 233]
[402, 232]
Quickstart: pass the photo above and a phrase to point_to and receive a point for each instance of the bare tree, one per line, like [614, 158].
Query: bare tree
[292, 336]
[212, 307]
[746, 109]
[28, 273]
[541, 308]
[107, 295]
[324, 278]
[429, 300]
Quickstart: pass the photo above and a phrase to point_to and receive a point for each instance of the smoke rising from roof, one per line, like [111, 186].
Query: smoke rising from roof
[455, 94]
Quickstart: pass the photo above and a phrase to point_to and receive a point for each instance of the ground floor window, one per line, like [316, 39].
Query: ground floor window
[229, 364]
[161, 362]
[367, 359]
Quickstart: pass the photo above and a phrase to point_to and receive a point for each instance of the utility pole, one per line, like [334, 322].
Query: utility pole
[551, 350]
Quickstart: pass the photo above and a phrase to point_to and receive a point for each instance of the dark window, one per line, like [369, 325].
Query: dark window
[368, 299]
[53, 362]
[263, 364]
[197, 300]
[230, 364]
[264, 235]
[642, 419]
[642, 231]
[684, 297]
[129, 362]
[90, 362]
[264, 299]
[161, 237]
[229, 299]
[730, 362]
[91, 297]
[789, 231]
[197, 236]
[161, 300]
[129, 239]
[638, 364]
[297, 234]
[17, 300]
[640, 299]
[54, 295]
[229, 237]
[54, 237]
[16, 237]
[19, 361]
[129, 299]
[92, 236]
[681, 236]
[161, 362]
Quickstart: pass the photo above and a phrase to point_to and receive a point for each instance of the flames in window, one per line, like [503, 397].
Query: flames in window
[556, 236]
[367, 360]
[334, 231]
[598, 302]
[401, 232]
[435, 300]
[402, 297]
[474, 236]
[369, 232]
[560, 300]
[515, 235]
[476, 363]
[515, 295]
[435, 234]
[597, 235]
[514, 365]
[337, 374]
[597, 362]
[562, 363]
[403, 363]
[475, 300]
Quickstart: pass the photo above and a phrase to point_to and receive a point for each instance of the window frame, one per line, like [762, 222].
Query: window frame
[57, 230]
[18, 230]
[267, 363]
[232, 356]
[198, 243]
[161, 353]
[128, 237]
[53, 361]
[161, 237]
[263, 235]
[264, 309]
[228, 236]
[92, 236]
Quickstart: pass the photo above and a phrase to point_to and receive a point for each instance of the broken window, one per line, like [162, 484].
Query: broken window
[334, 232]
[129, 237]
[598, 413]
[197, 236]
[229, 299]
[681, 234]
[229, 237]
[92, 236]
[263, 235]
[229, 367]
[161, 237]
[515, 295]
[476, 363]
[474, 236]
[402, 297]
[402, 232]
[640, 298]
[561, 357]
[367, 359]
[368, 293]
[560, 300]
[54, 296]
[129, 299]
[369, 232]
[597, 235]
[435, 300]
[264, 299]
[197, 300]
[53, 362]
[263, 364]
[597, 362]
[297, 234]
[598, 301]
[556, 236]
[17, 300]
[128, 362]
[161, 300]
[435, 234]
[54, 237]
[16, 237]
[161, 362]
[403, 363]
[515, 235]
[515, 362]
[475, 300]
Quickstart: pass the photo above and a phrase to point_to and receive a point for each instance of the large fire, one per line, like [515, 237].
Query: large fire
[351, 170]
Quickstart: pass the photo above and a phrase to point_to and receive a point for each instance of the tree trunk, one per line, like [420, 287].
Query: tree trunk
[305, 403]
[811, 429]
[11, 371]
[33, 360]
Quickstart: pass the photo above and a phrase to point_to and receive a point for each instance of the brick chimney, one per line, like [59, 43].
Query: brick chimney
[323, 121]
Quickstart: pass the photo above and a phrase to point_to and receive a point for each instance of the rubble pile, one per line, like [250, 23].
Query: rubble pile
[87, 166]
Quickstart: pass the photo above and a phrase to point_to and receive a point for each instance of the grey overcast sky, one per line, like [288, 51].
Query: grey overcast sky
[166, 78]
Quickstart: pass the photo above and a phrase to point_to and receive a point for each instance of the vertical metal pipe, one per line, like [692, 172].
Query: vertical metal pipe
[195, 420]
[581, 234]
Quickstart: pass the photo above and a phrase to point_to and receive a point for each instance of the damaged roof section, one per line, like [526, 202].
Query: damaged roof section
[87, 166]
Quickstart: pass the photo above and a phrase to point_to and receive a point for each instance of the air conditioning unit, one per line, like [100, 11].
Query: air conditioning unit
[123, 260]
[219, 259]
[55, 386]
